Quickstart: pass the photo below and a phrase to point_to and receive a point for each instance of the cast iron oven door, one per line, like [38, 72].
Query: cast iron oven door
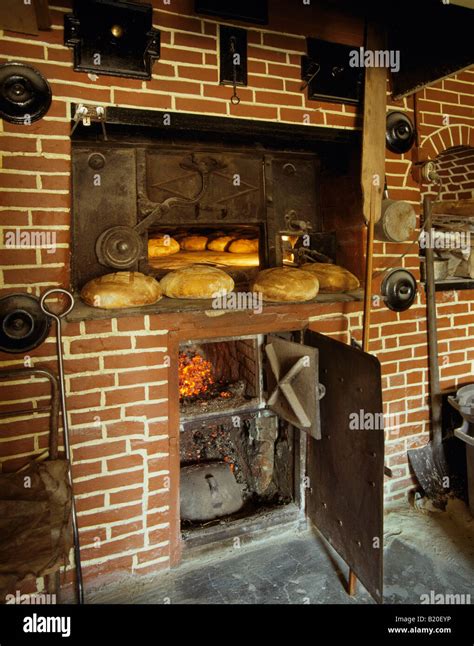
[345, 442]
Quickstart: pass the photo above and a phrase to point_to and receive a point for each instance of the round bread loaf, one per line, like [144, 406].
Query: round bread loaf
[219, 244]
[196, 281]
[162, 246]
[243, 246]
[286, 284]
[194, 243]
[122, 289]
[332, 278]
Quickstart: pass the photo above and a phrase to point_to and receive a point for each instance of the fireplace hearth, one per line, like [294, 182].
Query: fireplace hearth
[227, 433]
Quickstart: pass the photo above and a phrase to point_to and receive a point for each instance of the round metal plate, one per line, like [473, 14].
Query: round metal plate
[119, 247]
[25, 95]
[399, 290]
[23, 325]
[400, 133]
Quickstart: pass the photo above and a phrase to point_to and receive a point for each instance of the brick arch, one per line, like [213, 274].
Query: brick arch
[447, 137]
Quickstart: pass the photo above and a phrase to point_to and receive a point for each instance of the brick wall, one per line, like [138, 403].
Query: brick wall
[117, 370]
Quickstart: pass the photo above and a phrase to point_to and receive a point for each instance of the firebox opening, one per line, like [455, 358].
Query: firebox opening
[232, 247]
[236, 456]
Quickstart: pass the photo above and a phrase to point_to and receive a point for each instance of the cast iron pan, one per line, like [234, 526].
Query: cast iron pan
[25, 95]
[23, 324]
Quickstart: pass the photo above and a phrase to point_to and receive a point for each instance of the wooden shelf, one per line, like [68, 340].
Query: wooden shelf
[462, 208]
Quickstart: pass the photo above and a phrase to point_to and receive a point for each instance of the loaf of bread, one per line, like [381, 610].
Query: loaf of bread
[332, 278]
[196, 281]
[286, 284]
[162, 246]
[121, 289]
[243, 246]
[219, 244]
[194, 243]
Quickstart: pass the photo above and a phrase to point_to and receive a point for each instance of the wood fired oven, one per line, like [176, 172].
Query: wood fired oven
[137, 187]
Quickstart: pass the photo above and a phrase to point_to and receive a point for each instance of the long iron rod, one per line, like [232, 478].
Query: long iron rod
[67, 448]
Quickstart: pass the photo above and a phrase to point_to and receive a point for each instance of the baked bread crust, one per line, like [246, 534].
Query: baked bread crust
[194, 243]
[121, 289]
[286, 284]
[196, 281]
[162, 246]
[332, 278]
[243, 245]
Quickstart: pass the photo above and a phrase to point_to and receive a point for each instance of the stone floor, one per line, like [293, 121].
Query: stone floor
[424, 551]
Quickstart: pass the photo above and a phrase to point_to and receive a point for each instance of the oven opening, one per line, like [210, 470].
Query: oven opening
[232, 248]
[237, 456]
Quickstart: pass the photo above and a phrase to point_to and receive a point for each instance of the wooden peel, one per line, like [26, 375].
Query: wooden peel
[372, 174]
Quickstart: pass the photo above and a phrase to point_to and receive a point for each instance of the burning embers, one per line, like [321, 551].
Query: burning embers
[196, 379]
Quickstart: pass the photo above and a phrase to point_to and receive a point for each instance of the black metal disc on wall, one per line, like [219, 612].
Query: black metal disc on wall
[23, 324]
[399, 290]
[25, 95]
[400, 133]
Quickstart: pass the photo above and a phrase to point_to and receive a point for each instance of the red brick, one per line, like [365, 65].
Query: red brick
[100, 345]
[17, 180]
[95, 501]
[127, 528]
[125, 462]
[125, 427]
[103, 483]
[87, 400]
[112, 515]
[276, 98]
[152, 554]
[18, 144]
[195, 41]
[104, 414]
[287, 43]
[36, 198]
[147, 410]
[98, 450]
[91, 382]
[17, 447]
[254, 111]
[87, 469]
[144, 99]
[106, 548]
[126, 495]
[200, 105]
[136, 360]
[198, 74]
[151, 446]
[13, 218]
[284, 71]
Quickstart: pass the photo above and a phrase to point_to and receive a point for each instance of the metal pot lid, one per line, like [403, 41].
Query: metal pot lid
[465, 395]
[399, 133]
[25, 95]
[399, 290]
[23, 324]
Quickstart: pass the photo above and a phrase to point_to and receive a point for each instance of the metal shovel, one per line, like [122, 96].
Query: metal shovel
[429, 463]
[67, 449]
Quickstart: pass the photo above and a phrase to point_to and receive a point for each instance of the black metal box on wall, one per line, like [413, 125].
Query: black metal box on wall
[328, 72]
[112, 38]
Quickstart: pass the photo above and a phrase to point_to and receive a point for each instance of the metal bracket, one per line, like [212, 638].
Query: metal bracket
[86, 114]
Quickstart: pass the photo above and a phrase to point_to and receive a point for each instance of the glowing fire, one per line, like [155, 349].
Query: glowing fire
[195, 375]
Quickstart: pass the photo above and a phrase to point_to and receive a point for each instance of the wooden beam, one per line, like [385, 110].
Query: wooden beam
[43, 17]
[374, 126]
[463, 208]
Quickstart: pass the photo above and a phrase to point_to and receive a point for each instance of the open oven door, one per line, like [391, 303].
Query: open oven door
[332, 391]
[345, 468]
